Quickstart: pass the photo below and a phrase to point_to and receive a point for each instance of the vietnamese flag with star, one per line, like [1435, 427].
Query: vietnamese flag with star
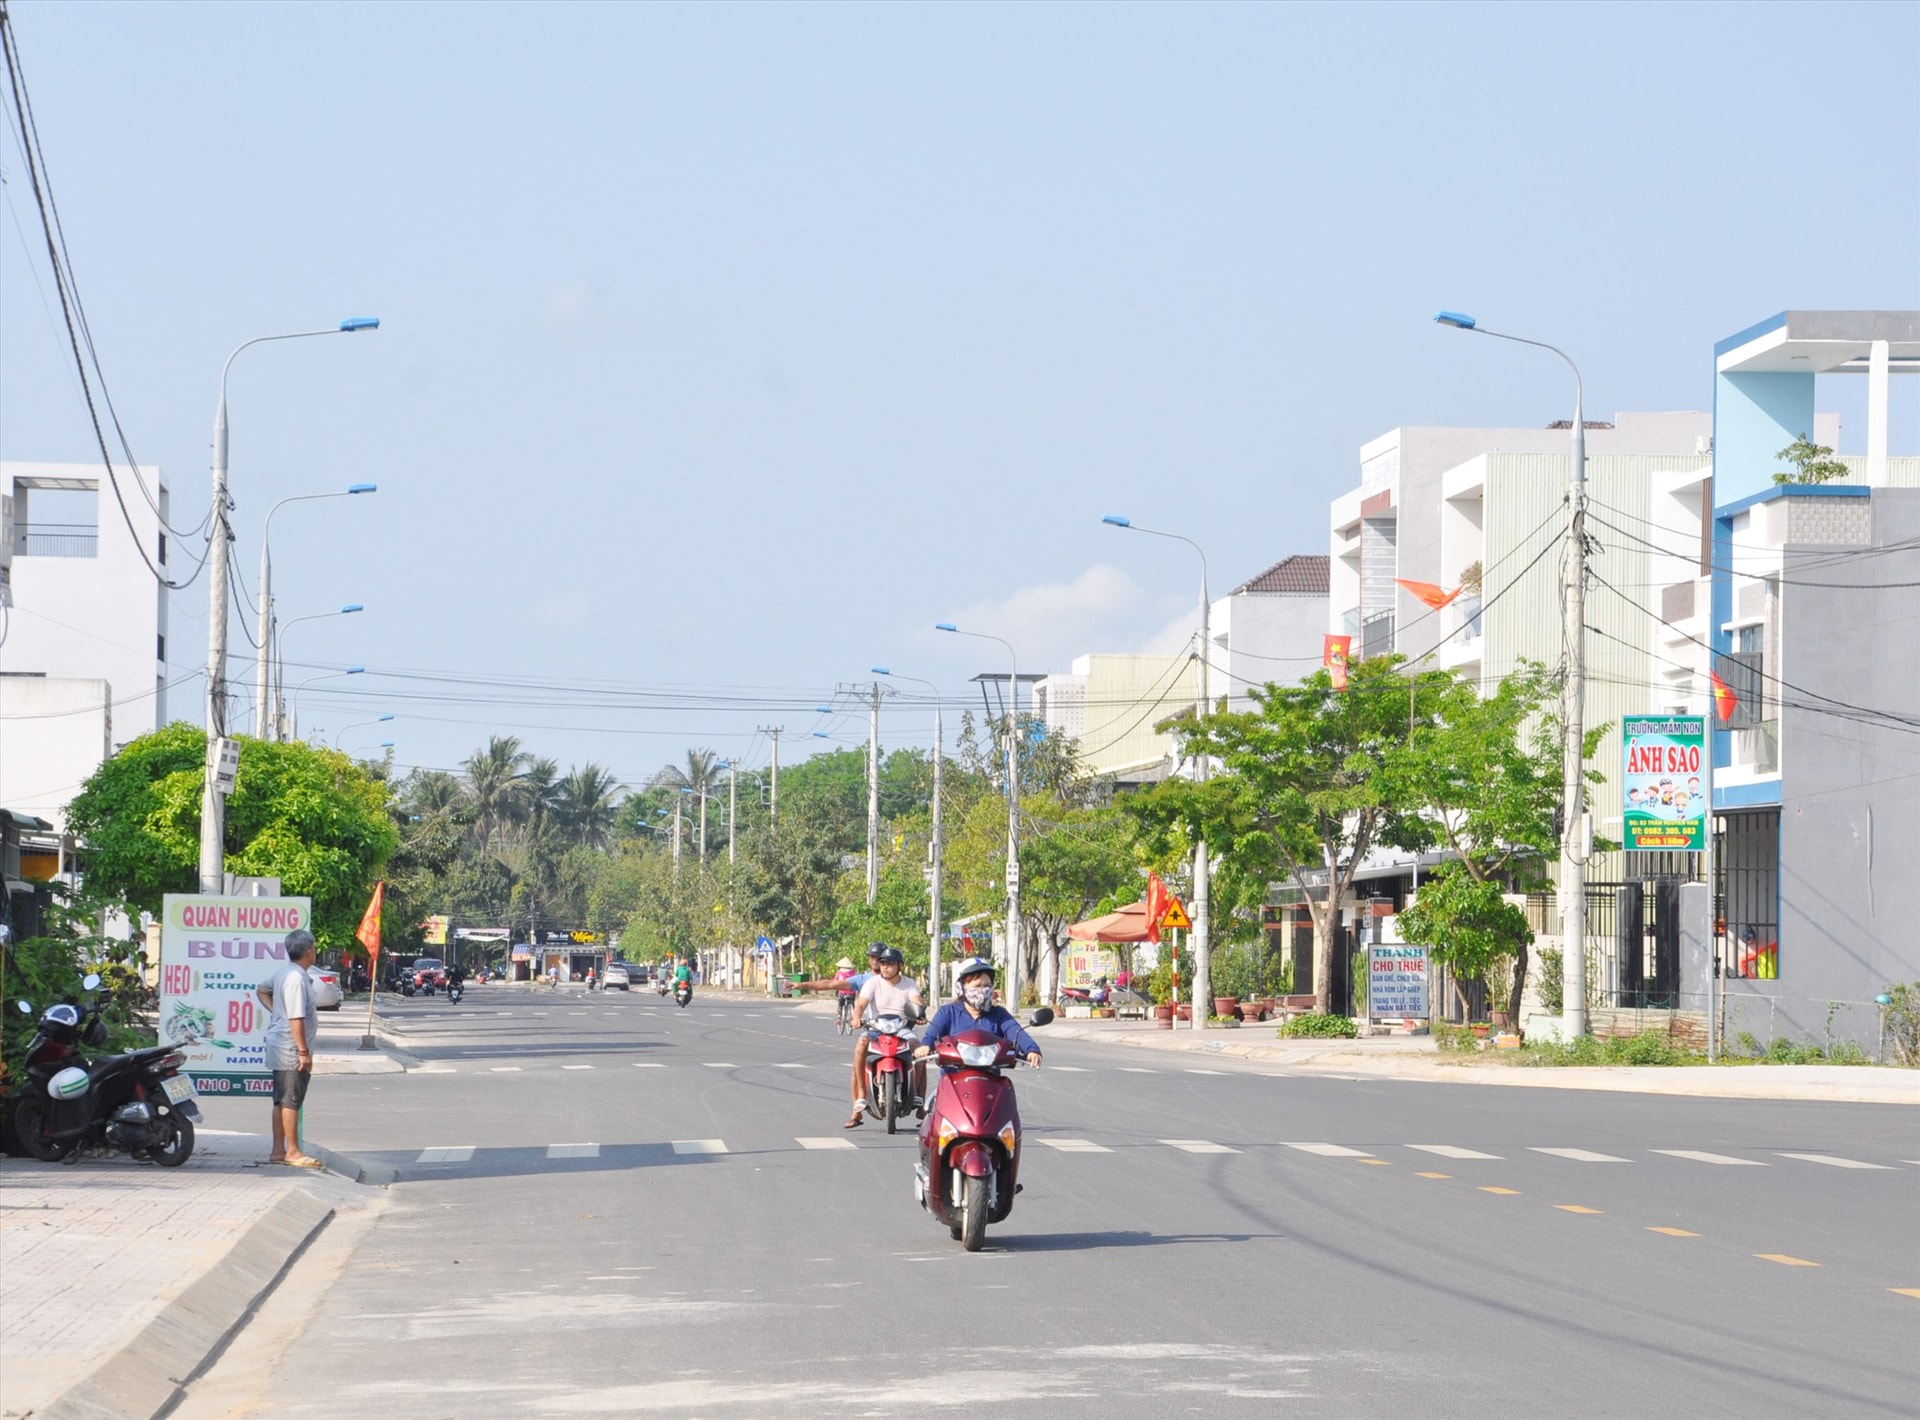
[1725, 702]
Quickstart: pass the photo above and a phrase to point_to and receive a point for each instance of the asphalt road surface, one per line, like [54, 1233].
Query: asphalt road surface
[604, 1205]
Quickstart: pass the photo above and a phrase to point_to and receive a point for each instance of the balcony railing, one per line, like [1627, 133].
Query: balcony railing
[1376, 635]
[56, 540]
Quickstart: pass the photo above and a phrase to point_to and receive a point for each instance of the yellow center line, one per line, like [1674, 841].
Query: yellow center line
[1906, 1291]
[1574, 1208]
[1434, 1175]
[1381, 1162]
[1674, 1232]
[1489, 1188]
[1784, 1260]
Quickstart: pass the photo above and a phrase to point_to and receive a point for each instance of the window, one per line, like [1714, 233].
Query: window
[163, 555]
[1750, 875]
[161, 649]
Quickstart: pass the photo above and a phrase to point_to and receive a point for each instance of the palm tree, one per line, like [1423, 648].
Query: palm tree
[698, 779]
[494, 784]
[433, 795]
[538, 783]
[584, 803]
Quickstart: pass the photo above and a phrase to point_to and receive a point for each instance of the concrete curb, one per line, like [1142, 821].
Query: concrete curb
[147, 1376]
[1856, 1084]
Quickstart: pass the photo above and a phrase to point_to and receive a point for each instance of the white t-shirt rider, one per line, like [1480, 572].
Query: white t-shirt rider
[880, 997]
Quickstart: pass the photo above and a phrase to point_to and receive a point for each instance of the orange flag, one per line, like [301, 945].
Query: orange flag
[1335, 652]
[1157, 900]
[1725, 702]
[1432, 595]
[369, 929]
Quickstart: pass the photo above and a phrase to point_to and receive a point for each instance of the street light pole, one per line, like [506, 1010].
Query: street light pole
[280, 664]
[1201, 940]
[360, 724]
[873, 796]
[1573, 788]
[937, 849]
[324, 675]
[213, 804]
[1016, 935]
[266, 724]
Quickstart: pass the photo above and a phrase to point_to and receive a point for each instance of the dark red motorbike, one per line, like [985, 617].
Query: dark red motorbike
[889, 1092]
[969, 1163]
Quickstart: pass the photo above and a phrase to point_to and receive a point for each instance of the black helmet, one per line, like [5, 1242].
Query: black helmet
[888, 956]
[874, 949]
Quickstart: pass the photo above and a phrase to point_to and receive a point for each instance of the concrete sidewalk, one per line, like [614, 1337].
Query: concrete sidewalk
[1402, 1057]
[122, 1279]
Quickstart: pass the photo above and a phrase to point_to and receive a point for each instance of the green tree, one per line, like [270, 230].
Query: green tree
[1812, 463]
[1467, 923]
[1080, 862]
[1314, 776]
[584, 802]
[494, 785]
[304, 814]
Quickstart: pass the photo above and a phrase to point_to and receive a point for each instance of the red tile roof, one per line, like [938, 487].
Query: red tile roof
[1301, 575]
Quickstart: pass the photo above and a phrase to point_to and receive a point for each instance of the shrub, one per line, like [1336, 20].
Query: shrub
[1325, 1027]
[1901, 1021]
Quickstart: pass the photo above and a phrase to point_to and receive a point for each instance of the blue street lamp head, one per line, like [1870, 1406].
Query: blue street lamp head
[821, 735]
[1455, 319]
[944, 626]
[353, 323]
[383, 719]
[879, 670]
[823, 709]
[363, 488]
[386, 744]
[351, 607]
[1117, 520]
[354, 670]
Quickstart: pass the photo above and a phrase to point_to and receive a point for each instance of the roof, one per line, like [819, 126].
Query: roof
[1302, 575]
[1819, 342]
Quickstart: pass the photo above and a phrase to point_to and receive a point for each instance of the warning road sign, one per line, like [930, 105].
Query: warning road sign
[1176, 917]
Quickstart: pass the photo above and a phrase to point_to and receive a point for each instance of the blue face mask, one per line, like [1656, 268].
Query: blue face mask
[977, 994]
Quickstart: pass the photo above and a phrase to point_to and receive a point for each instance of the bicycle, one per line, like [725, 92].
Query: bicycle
[843, 1013]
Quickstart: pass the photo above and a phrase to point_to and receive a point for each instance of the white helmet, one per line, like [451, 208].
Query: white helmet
[974, 966]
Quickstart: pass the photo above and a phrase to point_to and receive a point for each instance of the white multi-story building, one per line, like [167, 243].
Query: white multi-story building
[1268, 629]
[83, 666]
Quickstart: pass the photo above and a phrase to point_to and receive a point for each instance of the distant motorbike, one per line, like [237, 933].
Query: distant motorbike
[455, 990]
[663, 985]
[889, 1074]
[136, 1103]
[682, 992]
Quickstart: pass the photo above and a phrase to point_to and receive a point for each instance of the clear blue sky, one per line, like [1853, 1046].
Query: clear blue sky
[732, 346]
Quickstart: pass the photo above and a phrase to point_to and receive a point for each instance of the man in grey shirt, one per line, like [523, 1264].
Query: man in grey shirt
[290, 1031]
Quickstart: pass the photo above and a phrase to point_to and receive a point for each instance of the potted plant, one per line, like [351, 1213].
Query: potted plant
[1183, 1012]
[1226, 1006]
[1251, 1011]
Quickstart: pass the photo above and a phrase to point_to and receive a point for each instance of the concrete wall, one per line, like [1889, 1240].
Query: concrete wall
[53, 735]
[99, 617]
[1850, 788]
[1126, 696]
[1263, 637]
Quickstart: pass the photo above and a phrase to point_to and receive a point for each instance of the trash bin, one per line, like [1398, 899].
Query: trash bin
[794, 978]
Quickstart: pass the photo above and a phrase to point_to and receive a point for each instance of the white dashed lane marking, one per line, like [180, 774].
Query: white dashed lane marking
[1831, 1161]
[1581, 1156]
[1331, 1151]
[1198, 1146]
[1451, 1151]
[573, 1151]
[831, 1141]
[1700, 1156]
[1075, 1146]
[699, 1146]
[456, 1154]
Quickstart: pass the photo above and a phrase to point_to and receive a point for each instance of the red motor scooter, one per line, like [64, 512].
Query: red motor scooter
[969, 1161]
[889, 1092]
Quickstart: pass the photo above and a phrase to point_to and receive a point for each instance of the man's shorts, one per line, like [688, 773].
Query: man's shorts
[290, 1088]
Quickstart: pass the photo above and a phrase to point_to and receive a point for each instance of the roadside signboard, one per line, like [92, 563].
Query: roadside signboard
[213, 952]
[1662, 784]
[1397, 982]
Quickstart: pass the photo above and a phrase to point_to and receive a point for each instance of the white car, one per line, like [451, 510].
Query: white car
[616, 979]
[327, 994]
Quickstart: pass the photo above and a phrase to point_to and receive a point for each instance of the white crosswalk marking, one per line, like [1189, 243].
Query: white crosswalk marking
[1451, 1151]
[788, 1065]
[1701, 1157]
[1137, 1070]
[699, 1146]
[504, 1069]
[456, 1154]
[1068, 1069]
[1832, 1161]
[649, 1065]
[1192, 1071]
[1075, 1146]
[1198, 1146]
[1582, 1156]
[573, 1151]
[576, 1067]
[719, 1064]
[1331, 1151]
[827, 1142]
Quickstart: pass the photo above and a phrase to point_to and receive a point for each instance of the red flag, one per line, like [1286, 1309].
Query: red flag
[368, 932]
[1725, 702]
[1334, 653]
[1429, 593]
[1157, 899]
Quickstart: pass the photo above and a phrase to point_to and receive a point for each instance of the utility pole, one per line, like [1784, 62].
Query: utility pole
[1016, 938]
[263, 712]
[773, 733]
[701, 854]
[1202, 940]
[678, 800]
[213, 804]
[733, 807]
[873, 796]
[936, 851]
[1575, 839]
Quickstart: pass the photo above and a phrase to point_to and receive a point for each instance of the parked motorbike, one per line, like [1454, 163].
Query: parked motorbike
[889, 1073]
[682, 992]
[136, 1103]
[969, 1164]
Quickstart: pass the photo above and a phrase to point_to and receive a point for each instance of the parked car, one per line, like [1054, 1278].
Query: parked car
[616, 978]
[428, 973]
[327, 994]
[639, 973]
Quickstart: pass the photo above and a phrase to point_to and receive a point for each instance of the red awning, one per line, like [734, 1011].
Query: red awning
[1129, 924]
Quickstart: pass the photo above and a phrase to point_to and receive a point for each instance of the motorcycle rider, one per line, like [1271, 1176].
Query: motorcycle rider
[973, 1009]
[883, 993]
